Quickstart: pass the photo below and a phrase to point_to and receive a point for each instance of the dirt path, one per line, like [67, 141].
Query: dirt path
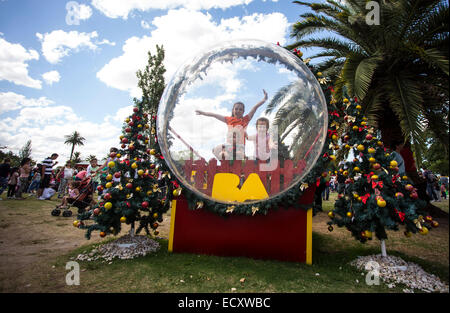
[31, 239]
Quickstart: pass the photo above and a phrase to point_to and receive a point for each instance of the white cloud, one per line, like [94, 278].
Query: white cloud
[82, 12]
[10, 101]
[51, 77]
[120, 8]
[58, 43]
[190, 32]
[13, 64]
[46, 124]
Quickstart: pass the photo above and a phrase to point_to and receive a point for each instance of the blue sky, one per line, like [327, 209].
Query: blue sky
[70, 65]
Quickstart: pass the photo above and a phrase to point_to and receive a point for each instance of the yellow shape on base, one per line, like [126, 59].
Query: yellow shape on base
[225, 188]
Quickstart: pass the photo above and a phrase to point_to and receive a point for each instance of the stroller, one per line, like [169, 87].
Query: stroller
[83, 200]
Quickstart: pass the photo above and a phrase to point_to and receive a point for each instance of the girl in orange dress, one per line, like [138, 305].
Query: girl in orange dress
[237, 124]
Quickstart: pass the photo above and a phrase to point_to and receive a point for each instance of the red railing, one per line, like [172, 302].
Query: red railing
[274, 181]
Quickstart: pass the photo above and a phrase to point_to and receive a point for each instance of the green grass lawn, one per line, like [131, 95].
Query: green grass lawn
[172, 272]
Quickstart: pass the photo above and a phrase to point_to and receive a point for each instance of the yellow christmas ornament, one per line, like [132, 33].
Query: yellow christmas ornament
[368, 234]
[345, 100]
[331, 214]
[141, 172]
[360, 148]
[423, 231]
[118, 155]
[138, 189]
[75, 223]
[371, 150]
[123, 219]
[111, 164]
[134, 165]
[393, 163]
[109, 177]
[381, 203]
[358, 107]
[108, 205]
[108, 185]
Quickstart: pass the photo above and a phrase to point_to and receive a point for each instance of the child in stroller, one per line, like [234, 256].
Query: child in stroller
[80, 198]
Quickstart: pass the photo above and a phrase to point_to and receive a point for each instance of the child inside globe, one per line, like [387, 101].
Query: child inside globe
[263, 143]
[237, 124]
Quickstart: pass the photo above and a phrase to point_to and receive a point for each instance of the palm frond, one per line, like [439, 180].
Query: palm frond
[363, 75]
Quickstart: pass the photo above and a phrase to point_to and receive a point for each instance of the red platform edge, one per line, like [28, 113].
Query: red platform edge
[282, 234]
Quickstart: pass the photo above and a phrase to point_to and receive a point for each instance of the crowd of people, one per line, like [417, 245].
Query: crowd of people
[436, 185]
[44, 180]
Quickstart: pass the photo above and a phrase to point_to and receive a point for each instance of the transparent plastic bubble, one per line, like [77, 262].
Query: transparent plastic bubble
[249, 151]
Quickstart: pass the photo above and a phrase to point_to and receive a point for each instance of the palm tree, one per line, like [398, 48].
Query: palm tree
[74, 139]
[294, 117]
[90, 158]
[398, 70]
[76, 158]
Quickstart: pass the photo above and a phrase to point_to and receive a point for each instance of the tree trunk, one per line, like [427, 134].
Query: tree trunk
[71, 152]
[383, 249]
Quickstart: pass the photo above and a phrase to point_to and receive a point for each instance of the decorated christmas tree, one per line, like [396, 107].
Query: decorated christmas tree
[138, 186]
[376, 197]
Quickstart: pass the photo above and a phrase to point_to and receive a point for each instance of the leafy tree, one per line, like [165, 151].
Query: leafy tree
[15, 159]
[436, 158]
[398, 70]
[74, 139]
[151, 82]
[25, 152]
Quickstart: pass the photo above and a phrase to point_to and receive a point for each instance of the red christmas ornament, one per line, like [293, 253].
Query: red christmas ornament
[124, 140]
[129, 185]
[96, 211]
[369, 137]
[123, 146]
[129, 204]
[107, 196]
[131, 123]
[100, 188]
[144, 204]
[128, 129]
[135, 110]
[117, 175]
[139, 136]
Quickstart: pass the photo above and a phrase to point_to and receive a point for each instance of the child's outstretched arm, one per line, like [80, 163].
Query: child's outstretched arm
[253, 110]
[217, 116]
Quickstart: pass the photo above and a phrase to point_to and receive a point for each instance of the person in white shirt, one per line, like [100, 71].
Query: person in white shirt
[66, 176]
